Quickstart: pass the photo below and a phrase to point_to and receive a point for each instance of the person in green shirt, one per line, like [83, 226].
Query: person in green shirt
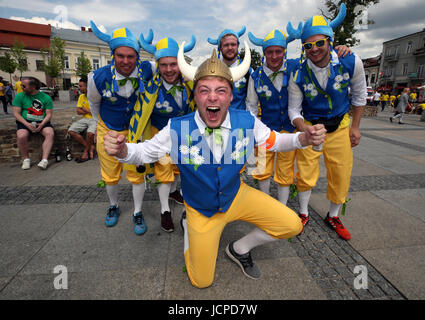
[33, 111]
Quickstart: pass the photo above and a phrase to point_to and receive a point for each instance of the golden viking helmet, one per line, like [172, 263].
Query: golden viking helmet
[214, 67]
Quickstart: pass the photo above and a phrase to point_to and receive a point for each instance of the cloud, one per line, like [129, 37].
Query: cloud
[54, 23]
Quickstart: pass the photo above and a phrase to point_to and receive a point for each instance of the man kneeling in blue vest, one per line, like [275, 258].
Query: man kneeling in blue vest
[210, 147]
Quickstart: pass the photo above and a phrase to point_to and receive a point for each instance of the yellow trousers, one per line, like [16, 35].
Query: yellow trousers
[250, 205]
[110, 167]
[284, 170]
[164, 169]
[338, 156]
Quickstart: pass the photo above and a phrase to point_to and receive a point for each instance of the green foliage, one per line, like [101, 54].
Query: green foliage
[18, 54]
[83, 65]
[7, 63]
[255, 58]
[344, 34]
[55, 56]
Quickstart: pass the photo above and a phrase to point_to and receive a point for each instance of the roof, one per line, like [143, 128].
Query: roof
[77, 36]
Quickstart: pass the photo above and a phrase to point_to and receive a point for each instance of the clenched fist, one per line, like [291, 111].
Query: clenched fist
[115, 144]
[313, 135]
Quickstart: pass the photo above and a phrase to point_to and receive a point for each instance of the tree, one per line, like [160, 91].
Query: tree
[18, 54]
[83, 65]
[8, 64]
[255, 58]
[355, 19]
[55, 56]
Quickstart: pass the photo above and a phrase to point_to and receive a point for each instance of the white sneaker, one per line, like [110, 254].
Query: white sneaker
[26, 164]
[43, 164]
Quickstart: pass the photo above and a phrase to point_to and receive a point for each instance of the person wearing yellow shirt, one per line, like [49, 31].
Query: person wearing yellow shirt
[3, 95]
[86, 123]
[392, 99]
[385, 99]
[18, 87]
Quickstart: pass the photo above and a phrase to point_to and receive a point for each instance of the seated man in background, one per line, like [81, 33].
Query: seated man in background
[86, 123]
[33, 111]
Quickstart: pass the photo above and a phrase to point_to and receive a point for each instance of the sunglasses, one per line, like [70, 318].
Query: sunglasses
[319, 43]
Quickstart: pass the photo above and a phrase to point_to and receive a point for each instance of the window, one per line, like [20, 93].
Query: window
[372, 78]
[405, 69]
[95, 64]
[66, 62]
[396, 50]
[421, 71]
[108, 61]
[409, 47]
[39, 65]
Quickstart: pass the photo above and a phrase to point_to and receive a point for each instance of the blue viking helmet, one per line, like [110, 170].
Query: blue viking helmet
[277, 38]
[167, 47]
[321, 25]
[121, 37]
[225, 33]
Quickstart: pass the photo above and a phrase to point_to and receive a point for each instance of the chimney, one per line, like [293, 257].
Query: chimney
[83, 28]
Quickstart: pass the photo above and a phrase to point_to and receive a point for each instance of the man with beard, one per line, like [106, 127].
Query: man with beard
[228, 48]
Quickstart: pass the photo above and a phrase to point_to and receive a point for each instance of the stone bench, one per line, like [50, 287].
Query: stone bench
[9, 151]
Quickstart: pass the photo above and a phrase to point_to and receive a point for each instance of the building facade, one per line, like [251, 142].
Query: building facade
[34, 36]
[371, 68]
[403, 62]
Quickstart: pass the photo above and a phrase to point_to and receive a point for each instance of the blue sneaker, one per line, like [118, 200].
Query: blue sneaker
[139, 224]
[112, 216]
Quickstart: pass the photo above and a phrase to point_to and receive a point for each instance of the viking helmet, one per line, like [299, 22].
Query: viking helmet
[225, 33]
[167, 47]
[320, 25]
[121, 37]
[214, 67]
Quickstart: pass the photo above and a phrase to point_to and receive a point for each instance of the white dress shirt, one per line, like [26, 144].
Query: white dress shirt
[357, 86]
[178, 97]
[95, 97]
[252, 96]
[152, 150]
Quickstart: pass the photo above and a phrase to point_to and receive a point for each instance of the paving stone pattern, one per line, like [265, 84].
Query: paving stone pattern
[330, 260]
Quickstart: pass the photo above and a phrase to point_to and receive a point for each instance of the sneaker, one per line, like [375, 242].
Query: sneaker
[26, 164]
[304, 220]
[43, 164]
[391, 119]
[244, 261]
[167, 222]
[336, 224]
[112, 216]
[400, 122]
[139, 223]
[176, 196]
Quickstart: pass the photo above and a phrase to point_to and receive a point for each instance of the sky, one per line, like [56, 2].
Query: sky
[208, 18]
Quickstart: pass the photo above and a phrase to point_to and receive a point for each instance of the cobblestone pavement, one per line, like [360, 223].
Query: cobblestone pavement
[330, 260]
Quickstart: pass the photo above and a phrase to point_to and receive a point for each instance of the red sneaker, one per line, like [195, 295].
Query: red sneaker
[336, 224]
[304, 220]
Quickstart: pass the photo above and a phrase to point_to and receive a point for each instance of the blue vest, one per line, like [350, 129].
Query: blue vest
[326, 102]
[209, 186]
[116, 111]
[240, 89]
[162, 112]
[274, 104]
